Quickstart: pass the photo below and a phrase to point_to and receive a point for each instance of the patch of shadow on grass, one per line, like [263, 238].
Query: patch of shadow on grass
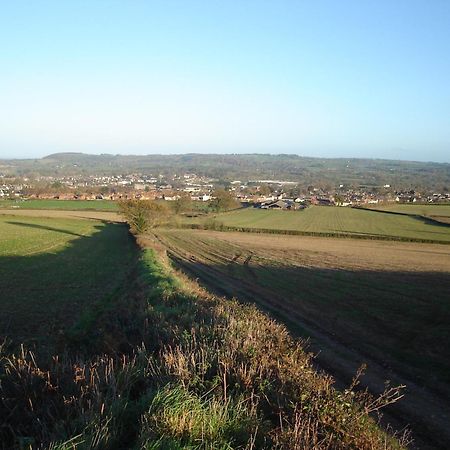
[47, 298]
[45, 227]
[429, 220]
[393, 321]
[401, 313]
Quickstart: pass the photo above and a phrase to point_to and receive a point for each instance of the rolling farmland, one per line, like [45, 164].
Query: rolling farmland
[61, 274]
[348, 287]
[424, 210]
[53, 270]
[336, 221]
[359, 301]
[437, 212]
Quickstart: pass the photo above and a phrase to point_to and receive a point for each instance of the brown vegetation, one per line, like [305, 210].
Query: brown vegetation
[359, 301]
[142, 215]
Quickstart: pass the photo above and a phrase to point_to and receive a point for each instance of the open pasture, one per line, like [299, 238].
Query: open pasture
[429, 210]
[436, 211]
[54, 269]
[68, 205]
[337, 221]
[388, 301]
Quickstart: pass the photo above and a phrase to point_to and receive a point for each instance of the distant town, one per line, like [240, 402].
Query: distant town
[265, 193]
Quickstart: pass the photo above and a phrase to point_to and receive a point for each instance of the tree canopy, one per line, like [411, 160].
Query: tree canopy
[142, 215]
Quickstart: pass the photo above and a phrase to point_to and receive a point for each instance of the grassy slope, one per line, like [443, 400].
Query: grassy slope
[71, 205]
[53, 269]
[420, 209]
[336, 220]
[440, 213]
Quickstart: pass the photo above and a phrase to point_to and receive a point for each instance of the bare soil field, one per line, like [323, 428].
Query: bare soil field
[108, 216]
[379, 303]
[345, 254]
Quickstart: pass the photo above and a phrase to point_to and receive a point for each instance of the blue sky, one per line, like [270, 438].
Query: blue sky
[318, 78]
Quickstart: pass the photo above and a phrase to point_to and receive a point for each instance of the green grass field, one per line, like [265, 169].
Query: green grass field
[335, 220]
[53, 270]
[419, 209]
[73, 205]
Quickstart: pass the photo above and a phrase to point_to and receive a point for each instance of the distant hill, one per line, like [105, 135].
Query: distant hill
[305, 170]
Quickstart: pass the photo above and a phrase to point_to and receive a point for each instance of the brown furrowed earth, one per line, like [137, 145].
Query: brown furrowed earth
[109, 216]
[381, 303]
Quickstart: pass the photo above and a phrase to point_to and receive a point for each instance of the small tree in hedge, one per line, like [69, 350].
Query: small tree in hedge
[142, 215]
[223, 200]
[182, 204]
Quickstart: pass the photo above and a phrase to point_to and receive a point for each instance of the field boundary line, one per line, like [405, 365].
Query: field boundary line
[226, 228]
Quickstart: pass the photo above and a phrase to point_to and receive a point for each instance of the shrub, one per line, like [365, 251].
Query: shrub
[142, 215]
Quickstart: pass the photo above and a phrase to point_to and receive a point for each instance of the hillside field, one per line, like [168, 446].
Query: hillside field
[438, 212]
[53, 270]
[348, 287]
[70, 205]
[359, 301]
[193, 371]
[336, 221]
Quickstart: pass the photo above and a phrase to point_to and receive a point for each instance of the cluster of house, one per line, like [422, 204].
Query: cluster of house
[112, 187]
[414, 197]
[8, 190]
[265, 194]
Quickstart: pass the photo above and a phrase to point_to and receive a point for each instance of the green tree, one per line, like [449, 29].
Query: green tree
[143, 215]
[338, 199]
[182, 204]
[223, 200]
[265, 189]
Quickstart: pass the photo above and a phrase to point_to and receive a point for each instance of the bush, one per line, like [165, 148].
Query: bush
[142, 215]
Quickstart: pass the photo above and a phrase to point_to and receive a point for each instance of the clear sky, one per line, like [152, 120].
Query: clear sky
[367, 78]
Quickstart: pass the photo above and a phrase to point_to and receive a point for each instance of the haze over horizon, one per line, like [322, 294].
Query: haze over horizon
[324, 79]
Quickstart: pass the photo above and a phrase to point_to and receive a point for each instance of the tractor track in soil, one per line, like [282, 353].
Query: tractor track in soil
[424, 412]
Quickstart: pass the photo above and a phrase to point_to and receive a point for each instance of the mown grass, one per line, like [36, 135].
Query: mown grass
[68, 205]
[332, 221]
[426, 210]
[438, 213]
[53, 270]
[202, 373]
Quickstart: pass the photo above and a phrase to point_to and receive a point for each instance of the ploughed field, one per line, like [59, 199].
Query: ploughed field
[388, 301]
[337, 221]
[54, 270]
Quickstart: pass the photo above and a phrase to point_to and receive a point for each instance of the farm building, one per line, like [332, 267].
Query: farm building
[279, 204]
